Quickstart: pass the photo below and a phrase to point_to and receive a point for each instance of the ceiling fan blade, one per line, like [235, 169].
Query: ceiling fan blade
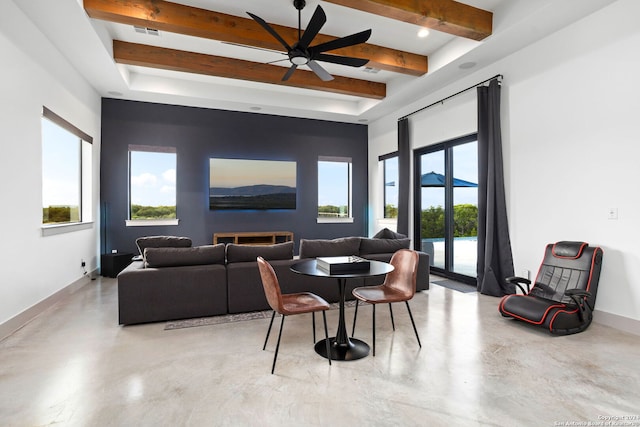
[271, 31]
[289, 72]
[346, 41]
[315, 24]
[254, 47]
[277, 60]
[320, 72]
[342, 60]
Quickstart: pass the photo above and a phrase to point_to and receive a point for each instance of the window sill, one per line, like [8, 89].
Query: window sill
[334, 220]
[150, 222]
[389, 221]
[52, 230]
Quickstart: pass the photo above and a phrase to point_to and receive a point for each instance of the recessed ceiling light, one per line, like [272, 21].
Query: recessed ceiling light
[467, 65]
[114, 93]
[423, 33]
[363, 120]
[256, 108]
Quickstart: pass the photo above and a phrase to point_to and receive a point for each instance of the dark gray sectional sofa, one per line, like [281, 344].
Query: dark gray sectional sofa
[186, 282]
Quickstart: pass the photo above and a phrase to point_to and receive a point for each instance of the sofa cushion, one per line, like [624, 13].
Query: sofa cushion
[162, 242]
[174, 257]
[383, 246]
[385, 233]
[244, 253]
[344, 246]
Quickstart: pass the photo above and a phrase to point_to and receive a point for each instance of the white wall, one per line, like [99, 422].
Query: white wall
[571, 131]
[33, 74]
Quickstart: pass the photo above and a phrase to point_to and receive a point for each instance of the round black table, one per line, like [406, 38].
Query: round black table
[341, 346]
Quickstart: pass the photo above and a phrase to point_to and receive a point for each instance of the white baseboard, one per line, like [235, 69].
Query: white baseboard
[10, 326]
[616, 321]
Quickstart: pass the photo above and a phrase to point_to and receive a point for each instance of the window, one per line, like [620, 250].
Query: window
[390, 174]
[334, 189]
[152, 185]
[66, 172]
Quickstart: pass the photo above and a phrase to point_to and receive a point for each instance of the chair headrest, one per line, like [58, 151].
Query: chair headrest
[568, 249]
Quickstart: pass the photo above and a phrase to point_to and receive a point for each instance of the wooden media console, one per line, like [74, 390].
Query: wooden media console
[253, 238]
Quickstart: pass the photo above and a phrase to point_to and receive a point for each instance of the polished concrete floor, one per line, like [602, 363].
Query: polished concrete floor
[74, 366]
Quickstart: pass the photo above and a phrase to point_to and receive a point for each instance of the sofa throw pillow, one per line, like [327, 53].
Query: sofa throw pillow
[385, 233]
[382, 246]
[345, 246]
[245, 253]
[176, 257]
[162, 242]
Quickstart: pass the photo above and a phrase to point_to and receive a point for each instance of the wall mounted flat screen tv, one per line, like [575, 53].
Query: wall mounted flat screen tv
[251, 184]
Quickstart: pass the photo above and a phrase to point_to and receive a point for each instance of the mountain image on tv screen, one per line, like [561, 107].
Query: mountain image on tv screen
[251, 184]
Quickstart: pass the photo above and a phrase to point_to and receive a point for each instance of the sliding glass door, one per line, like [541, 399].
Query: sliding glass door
[446, 202]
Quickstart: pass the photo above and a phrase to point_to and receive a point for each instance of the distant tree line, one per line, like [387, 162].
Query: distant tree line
[60, 214]
[153, 212]
[333, 211]
[390, 211]
[465, 221]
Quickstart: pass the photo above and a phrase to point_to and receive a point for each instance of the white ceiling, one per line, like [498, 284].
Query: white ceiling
[87, 44]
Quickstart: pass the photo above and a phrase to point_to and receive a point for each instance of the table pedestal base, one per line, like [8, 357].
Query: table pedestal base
[353, 349]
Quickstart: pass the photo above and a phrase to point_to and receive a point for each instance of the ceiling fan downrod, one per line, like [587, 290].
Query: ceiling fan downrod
[299, 4]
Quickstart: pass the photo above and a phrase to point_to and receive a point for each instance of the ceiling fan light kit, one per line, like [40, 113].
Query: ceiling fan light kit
[303, 54]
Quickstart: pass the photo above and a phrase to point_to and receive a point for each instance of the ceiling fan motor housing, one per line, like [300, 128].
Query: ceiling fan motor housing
[298, 56]
[299, 4]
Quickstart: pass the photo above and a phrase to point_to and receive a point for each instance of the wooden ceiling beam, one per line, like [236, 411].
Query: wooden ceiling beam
[181, 19]
[190, 62]
[447, 16]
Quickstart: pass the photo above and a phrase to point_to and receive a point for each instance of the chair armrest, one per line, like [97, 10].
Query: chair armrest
[517, 281]
[577, 292]
[579, 297]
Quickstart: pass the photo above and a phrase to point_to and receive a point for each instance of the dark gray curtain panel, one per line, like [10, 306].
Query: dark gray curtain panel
[404, 154]
[495, 260]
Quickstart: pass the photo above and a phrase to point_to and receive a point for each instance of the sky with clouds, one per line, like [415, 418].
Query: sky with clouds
[153, 178]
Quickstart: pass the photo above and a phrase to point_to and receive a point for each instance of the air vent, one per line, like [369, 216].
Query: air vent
[371, 70]
[149, 31]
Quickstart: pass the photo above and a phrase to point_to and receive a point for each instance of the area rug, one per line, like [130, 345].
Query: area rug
[230, 318]
[456, 286]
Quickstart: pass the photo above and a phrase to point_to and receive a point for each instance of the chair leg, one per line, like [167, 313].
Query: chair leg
[414, 324]
[355, 316]
[326, 335]
[269, 330]
[374, 329]
[393, 325]
[313, 321]
[275, 356]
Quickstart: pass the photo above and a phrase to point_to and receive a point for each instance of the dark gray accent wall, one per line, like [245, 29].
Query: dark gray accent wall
[198, 134]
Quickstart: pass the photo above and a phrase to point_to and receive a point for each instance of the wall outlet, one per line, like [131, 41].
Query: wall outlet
[114, 251]
[612, 213]
[82, 263]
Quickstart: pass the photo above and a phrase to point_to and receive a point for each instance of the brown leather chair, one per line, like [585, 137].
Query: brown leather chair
[398, 286]
[289, 304]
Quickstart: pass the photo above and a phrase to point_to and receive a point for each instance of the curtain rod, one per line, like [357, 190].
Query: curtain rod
[497, 76]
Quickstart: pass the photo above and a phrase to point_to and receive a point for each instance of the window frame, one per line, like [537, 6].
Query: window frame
[85, 188]
[349, 217]
[149, 222]
[383, 158]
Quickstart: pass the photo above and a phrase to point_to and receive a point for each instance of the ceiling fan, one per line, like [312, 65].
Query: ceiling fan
[303, 54]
